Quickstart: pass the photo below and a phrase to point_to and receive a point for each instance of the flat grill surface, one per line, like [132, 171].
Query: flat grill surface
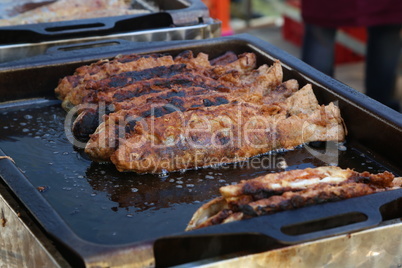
[106, 207]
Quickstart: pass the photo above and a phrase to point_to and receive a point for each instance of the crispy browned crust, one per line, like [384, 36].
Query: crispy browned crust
[289, 190]
[277, 183]
[223, 134]
[171, 114]
[161, 107]
[315, 195]
[111, 75]
[175, 85]
[72, 89]
[198, 138]
[188, 100]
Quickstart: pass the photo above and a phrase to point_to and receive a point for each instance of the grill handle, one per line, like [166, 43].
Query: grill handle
[351, 215]
[69, 48]
[33, 33]
[314, 222]
[69, 28]
[89, 52]
[305, 227]
[106, 25]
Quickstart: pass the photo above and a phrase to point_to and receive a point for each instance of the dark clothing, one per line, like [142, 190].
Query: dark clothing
[319, 48]
[383, 20]
[338, 13]
[382, 57]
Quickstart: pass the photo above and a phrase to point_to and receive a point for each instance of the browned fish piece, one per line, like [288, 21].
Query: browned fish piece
[316, 194]
[289, 190]
[201, 113]
[224, 59]
[111, 75]
[174, 89]
[109, 134]
[72, 89]
[221, 134]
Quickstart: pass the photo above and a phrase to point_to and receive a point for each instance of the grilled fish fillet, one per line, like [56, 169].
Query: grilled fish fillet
[127, 89]
[166, 114]
[109, 76]
[288, 190]
[191, 96]
[117, 126]
[72, 89]
[220, 134]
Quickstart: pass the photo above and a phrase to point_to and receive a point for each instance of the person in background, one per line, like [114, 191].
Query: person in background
[383, 20]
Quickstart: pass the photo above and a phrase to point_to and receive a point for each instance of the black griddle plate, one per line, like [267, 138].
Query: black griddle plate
[93, 210]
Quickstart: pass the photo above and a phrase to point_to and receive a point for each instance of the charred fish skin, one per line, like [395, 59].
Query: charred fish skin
[311, 196]
[72, 89]
[176, 92]
[174, 95]
[190, 101]
[217, 98]
[225, 138]
[85, 124]
[88, 121]
[125, 86]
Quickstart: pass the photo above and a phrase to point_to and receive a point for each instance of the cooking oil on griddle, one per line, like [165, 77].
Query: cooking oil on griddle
[103, 205]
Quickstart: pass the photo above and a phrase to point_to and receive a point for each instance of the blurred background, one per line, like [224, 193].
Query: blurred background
[279, 22]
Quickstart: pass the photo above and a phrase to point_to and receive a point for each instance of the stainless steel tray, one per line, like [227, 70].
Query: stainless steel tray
[209, 29]
[168, 20]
